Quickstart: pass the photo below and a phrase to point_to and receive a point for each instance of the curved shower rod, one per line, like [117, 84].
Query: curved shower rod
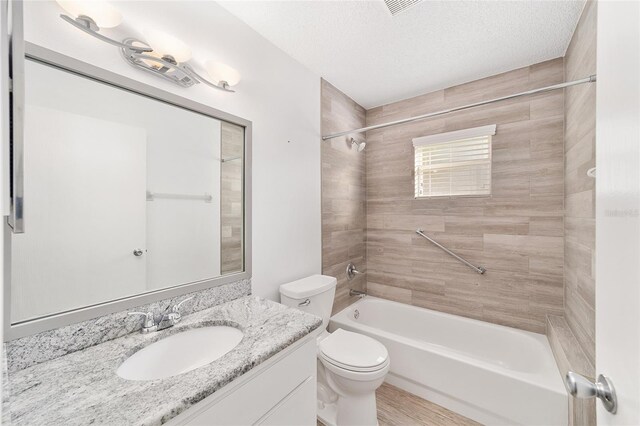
[590, 79]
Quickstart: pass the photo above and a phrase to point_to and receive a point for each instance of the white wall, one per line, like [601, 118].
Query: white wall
[280, 97]
[618, 207]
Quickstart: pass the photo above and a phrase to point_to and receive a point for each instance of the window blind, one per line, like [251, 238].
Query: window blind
[454, 164]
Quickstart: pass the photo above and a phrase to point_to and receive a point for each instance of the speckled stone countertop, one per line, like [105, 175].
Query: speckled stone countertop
[83, 387]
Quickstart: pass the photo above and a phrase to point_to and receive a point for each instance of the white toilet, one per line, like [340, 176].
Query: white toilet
[351, 366]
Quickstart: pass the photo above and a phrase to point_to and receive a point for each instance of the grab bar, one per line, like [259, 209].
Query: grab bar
[478, 269]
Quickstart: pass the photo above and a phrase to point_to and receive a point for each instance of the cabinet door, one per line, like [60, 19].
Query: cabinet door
[254, 396]
[297, 409]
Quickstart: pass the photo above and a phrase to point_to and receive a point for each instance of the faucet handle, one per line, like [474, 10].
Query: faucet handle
[352, 271]
[175, 314]
[176, 308]
[149, 321]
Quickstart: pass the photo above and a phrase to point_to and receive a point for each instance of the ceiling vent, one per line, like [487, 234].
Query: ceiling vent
[397, 6]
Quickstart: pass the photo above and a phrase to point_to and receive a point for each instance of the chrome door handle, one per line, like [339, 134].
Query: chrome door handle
[581, 387]
[305, 303]
[138, 252]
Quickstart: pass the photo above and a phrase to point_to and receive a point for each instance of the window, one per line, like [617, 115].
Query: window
[454, 164]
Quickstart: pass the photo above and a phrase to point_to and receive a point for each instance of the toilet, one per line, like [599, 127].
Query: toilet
[351, 366]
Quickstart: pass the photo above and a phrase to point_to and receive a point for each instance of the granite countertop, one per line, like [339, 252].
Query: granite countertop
[83, 387]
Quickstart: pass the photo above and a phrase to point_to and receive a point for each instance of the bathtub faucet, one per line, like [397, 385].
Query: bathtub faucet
[352, 271]
[358, 293]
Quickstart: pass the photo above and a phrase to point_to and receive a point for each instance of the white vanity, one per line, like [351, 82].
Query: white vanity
[269, 377]
[281, 391]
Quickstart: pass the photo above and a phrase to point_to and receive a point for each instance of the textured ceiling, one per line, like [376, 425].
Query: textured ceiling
[376, 58]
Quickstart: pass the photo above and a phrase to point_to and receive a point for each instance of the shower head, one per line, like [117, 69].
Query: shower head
[359, 145]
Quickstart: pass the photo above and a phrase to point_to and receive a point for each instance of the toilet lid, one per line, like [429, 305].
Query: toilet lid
[353, 351]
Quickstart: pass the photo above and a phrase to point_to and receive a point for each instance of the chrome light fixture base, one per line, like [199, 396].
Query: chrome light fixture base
[137, 54]
[165, 67]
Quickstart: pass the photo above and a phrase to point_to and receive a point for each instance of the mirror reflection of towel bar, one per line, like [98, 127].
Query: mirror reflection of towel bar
[226, 160]
[206, 197]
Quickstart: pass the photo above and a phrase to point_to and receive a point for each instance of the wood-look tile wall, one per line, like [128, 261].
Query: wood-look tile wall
[231, 211]
[579, 229]
[343, 194]
[516, 233]
[579, 222]
[568, 356]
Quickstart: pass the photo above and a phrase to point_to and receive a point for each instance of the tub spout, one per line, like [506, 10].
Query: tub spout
[359, 293]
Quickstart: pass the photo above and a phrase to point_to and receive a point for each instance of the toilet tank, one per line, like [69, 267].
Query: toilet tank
[312, 294]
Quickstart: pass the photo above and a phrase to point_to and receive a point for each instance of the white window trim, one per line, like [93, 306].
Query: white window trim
[440, 138]
[455, 135]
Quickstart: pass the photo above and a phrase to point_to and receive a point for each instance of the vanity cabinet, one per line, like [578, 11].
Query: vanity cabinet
[280, 391]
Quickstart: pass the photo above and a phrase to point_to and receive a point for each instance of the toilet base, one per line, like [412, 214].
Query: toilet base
[348, 398]
[327, 414]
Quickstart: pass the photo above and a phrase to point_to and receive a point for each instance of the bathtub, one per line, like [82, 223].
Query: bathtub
[493, 374]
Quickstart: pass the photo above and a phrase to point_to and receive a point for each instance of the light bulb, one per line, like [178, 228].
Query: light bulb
[152, 54]
[102, 13]
[164, 44]
[221, 72]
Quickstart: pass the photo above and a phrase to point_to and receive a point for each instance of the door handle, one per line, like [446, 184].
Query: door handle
[138, 252]
[581, 387]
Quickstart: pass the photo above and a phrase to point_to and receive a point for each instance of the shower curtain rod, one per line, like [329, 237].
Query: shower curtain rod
[590, 79]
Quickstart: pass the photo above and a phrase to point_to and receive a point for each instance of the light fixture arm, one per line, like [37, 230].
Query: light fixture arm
[200, 79]
[136, 53]
[87, 25]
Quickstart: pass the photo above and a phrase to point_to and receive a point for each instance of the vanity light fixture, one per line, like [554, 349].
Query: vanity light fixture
[162, 54]
[96, 14]
[166, 45]
[222, 73]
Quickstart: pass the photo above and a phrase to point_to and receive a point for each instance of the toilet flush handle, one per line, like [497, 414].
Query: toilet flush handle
[307, 302]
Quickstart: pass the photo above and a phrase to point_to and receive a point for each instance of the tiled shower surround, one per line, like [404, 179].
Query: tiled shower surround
[534, 234]
[580, 156]
[575, 333]
[343, 194]
[516, 233]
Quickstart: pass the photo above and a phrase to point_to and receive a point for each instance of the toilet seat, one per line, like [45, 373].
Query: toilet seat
[353, 352]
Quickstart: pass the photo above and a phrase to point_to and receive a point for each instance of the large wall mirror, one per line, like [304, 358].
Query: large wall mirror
[127, 191]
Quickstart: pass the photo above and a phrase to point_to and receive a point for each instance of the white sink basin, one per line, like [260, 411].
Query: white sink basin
[180, 353]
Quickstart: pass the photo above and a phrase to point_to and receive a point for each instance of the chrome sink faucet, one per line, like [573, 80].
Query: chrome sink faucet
[170, 317]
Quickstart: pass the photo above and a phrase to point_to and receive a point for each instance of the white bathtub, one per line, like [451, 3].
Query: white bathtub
[493, 374]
